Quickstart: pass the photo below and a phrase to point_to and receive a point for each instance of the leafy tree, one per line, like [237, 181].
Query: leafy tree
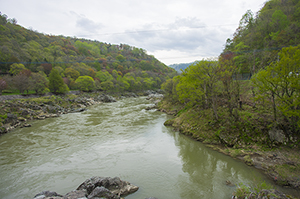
[16, 68]
[107, 85]
[39, 82]
[197, 84]
[280, 81]
[85, 83]
[229, 68]
[60, 70]
[104, 76]
[70, 72]
[21, 81]
[56, 83]
[170, 88]
[92, 72]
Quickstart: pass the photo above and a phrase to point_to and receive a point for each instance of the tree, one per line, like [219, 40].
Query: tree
[198, 84]
[3, 85]
[104, 76]
[60, 70]
[92, 73]
[107, 85]
[280, 81]
[85, 83]
[47, 68]
[227, 73]
[16, 68]
[39, 82]
[21, 81]
[56, 83]
[74, 74]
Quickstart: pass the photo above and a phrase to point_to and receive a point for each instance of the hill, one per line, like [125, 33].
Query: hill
[259, 37]
[122, 67]
[214, 103]
[179, 67]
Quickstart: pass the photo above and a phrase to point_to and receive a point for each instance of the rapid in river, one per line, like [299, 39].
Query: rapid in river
[116, 139]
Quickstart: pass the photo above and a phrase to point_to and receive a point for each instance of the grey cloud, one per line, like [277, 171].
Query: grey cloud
[86, 24]
[184, 34]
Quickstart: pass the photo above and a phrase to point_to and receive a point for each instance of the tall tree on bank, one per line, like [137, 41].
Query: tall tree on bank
[280, 82]
[56, 83]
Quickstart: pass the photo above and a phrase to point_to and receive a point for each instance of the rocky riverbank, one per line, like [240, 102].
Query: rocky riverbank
[18, 110]
[269, 153]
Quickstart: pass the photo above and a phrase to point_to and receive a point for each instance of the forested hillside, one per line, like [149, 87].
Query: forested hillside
[247, 103]
[253, 88]
[83, 64]
[260, 37]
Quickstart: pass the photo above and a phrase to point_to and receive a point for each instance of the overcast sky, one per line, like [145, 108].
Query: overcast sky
[174, 31]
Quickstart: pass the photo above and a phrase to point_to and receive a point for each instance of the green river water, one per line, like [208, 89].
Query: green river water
[116, 139]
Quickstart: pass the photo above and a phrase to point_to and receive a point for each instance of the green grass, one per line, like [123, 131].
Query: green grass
[16, 92]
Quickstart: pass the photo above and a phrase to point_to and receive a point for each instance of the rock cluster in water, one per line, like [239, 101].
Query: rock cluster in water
[95, 188]
[20, 111]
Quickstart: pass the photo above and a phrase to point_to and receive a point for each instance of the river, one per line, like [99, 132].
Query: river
[116, 139]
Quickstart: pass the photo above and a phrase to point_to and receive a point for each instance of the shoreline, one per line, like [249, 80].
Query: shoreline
[277, 163]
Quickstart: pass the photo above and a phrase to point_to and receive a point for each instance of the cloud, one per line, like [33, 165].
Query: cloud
[183, 34]
[85, 24]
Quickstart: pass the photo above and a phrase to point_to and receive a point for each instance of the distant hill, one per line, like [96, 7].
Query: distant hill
[124, 67]
[182, 66]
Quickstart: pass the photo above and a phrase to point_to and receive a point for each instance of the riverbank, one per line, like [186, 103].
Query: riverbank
[18, 111]
[281, 162]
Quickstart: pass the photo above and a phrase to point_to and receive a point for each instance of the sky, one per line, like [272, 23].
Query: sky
[174, 31]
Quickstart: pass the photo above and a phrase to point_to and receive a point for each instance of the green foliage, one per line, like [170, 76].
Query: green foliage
[104, 76]
[56, 83]
[280, 81]
[85, 83]
[276, 25]
[107, 85]
[74, 57]
[39, 83]
[70, 72]
[242, 191]
[16, 68]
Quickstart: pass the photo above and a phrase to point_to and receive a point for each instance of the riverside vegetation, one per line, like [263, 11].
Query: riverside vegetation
[246, 103]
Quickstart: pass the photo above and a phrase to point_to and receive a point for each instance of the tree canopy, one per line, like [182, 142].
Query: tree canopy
[21, 49]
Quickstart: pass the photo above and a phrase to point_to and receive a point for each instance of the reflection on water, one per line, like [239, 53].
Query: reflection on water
[208, 171]
[116, 139]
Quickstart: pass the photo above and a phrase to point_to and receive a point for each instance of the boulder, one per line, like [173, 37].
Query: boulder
[102, 192]
[277, 135]
[10, 118]
[108, 99]
[46, 194]
[76, 194]
[24, 112]
[155, 96]
[95, 188]
[114, 185]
